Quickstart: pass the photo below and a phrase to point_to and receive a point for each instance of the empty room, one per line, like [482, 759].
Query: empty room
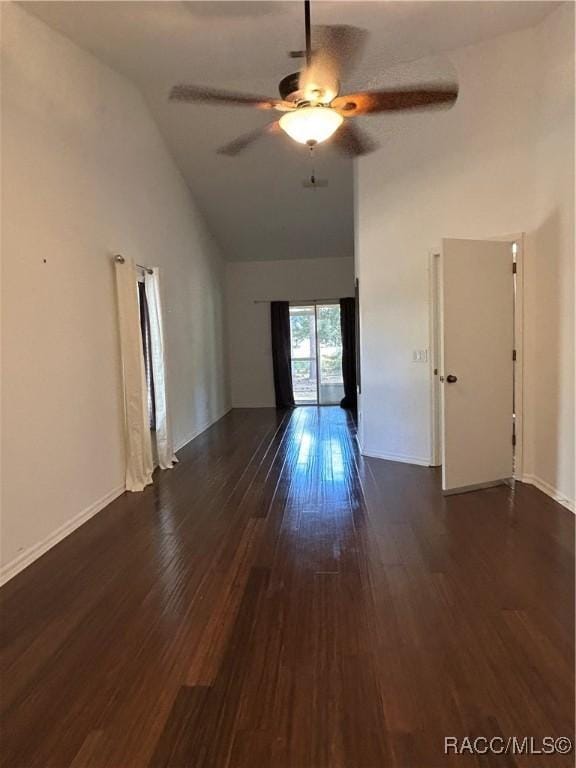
[288, 356]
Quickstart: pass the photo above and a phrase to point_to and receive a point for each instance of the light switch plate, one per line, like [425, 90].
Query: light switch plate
[420, 356]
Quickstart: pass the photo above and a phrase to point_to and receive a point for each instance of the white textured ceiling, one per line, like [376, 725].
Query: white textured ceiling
[255, 204]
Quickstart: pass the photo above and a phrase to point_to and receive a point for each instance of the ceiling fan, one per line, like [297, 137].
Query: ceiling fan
[313, 109]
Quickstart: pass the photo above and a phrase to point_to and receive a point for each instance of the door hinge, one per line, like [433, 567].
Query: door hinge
[513, 439]
[514, 267]
[514, 355]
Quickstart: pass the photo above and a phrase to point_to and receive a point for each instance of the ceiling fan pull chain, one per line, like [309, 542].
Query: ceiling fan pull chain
[313, 174]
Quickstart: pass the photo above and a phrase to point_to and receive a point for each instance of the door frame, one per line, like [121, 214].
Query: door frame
[434, 292]
[434, 357]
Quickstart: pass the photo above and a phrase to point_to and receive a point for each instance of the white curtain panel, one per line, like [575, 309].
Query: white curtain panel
[139, 465]
[164, 445]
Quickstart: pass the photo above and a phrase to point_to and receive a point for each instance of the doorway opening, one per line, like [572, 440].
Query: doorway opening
[316, 353]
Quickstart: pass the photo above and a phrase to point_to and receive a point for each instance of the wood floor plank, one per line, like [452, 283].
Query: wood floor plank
[174, 745]
[279, 601]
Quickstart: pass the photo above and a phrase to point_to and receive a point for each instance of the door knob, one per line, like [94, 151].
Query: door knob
[451, 379]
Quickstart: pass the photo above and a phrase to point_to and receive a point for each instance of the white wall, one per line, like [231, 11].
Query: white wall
[501, 161]
[549, 386]
[85, 175]
[250, 351]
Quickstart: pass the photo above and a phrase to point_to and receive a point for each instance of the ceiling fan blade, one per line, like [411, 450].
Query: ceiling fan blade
[236, 146]
[352, 141]
[395, 100]
[200, 93]
[341, 43]
[335, 50]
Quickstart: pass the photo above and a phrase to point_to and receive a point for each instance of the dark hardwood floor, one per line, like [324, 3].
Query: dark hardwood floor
[276, 601]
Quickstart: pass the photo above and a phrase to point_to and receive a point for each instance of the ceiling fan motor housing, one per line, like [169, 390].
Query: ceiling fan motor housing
[289, 88]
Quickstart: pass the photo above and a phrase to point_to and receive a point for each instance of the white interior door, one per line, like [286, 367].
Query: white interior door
[477, 373]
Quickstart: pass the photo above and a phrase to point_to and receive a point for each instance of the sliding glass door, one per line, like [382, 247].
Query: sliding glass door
[303, 353]
[316, 350]
[329, 350]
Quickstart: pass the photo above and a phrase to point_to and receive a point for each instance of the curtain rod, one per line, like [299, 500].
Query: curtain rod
[120, 259]
[296, 301]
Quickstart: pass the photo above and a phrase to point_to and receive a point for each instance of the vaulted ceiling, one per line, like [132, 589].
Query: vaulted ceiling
[255, 203]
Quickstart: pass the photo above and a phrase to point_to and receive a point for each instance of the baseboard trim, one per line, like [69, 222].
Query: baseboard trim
[417, 460]
[28, 556]
[201, 429]
[253, 405]
[549, 490]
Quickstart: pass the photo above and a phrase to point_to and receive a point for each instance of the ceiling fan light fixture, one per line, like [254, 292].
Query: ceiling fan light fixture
[311, 125]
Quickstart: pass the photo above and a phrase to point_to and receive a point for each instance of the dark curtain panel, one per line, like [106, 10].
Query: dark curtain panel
[146, 346]
[281, 358]
[348, 326]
